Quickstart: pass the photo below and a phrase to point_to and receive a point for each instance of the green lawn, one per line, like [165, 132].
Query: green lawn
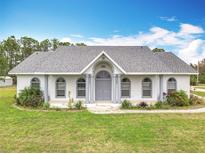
[201, 86]
[33, 131]
[199, 93]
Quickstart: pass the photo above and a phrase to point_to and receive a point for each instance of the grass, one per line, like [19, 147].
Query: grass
[199, 93]
[200, 86]
[33, 131]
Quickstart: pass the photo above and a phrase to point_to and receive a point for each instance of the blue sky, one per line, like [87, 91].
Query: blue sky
[176, 25]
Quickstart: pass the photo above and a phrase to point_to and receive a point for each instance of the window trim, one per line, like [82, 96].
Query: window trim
[56, 88]
[168, 82]
[129, 88]
[142, 87]
[77, 87]
[38, 80]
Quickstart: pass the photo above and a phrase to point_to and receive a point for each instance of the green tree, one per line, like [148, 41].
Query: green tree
[3, 63]
[11, 48]
[193, 80]
[158, 50]
[54, 43]
[65, 44]
[28, 46]
[45, 45]
[80, 44]
[202, 77]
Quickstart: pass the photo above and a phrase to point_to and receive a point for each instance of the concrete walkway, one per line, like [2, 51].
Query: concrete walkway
[115, 109]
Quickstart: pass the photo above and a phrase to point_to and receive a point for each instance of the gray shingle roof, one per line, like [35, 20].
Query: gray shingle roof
[174, 63]
[132, 59]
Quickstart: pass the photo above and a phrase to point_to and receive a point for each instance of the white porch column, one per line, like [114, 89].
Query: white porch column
[46, 89]
[92, 88]
[161, 88]
[87, 88]
[118, 88]
[114, 88]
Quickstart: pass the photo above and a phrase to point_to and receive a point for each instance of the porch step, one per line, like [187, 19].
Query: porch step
[58, 104]
[102, 107]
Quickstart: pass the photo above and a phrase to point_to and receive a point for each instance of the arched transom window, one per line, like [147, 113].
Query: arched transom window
[81, 87]
[60, 87]
[35, 83]
[125, 87]
[103, 75]
[147, 87]
[171, 85]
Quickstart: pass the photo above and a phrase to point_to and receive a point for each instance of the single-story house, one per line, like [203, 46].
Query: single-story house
[6, 81]
[104, 74]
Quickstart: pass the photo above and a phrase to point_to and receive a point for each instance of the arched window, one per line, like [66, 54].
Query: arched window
[103, 75]
[60, 87]
[35, 83]
[81, 87]
[147, 87]
[125, 87]
[171, 85]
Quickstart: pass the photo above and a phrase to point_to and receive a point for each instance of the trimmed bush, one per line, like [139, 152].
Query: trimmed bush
[30, 97]
[46, 105]
[178, 98]
[79, 105]
[126, 104]
[142, 105]
[194, 100]
[158, 105]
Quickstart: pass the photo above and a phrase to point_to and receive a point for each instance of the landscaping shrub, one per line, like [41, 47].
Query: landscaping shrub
[142, 105]
[46, 105]
[158, 105]
[30, 97]
[178, 98]
[194, 100]
[126, 104]
[79, 105]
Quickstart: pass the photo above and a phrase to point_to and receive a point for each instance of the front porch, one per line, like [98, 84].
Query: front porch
[94, 107]
[103, 81]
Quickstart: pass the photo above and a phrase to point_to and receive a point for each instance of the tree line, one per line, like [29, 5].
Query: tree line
[13, 50]
[200, 67]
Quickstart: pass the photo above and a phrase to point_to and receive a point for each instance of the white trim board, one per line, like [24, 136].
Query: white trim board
[79, 73]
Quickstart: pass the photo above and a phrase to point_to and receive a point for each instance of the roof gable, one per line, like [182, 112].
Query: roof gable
[96, 58]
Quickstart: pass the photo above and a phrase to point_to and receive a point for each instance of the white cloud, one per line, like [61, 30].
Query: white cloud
[170, 19]
[76, 35]
[190, 29]
[184, 42]
[194, 51]
[66, 39]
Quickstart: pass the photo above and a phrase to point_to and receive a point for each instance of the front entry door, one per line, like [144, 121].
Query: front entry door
[103, 86]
